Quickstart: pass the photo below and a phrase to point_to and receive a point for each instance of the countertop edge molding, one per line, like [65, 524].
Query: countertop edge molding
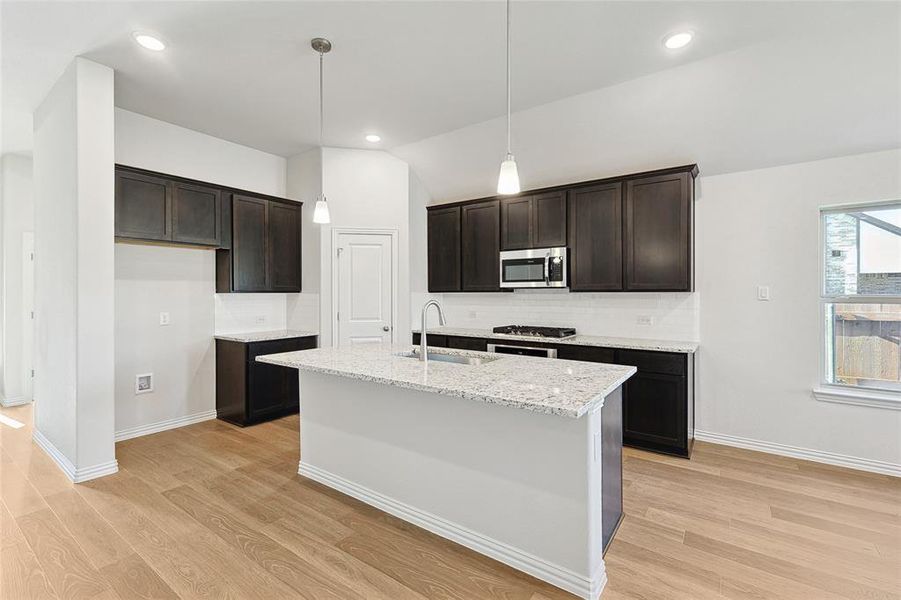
[871, 398]
[652, 345]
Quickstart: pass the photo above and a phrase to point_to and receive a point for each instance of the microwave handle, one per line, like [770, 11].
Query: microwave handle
[547, 269]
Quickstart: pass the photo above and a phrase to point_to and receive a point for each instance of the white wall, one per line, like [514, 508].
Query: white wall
[784, 101]
[365, 189]
[154, 279]
[304, 184]
[73, 187]
[759, 360]
[17, 218]
[181, 355]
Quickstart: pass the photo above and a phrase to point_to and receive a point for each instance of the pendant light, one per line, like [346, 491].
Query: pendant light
[508, 179]
[320, 213]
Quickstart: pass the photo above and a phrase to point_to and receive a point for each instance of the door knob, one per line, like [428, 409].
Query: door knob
[386, 328]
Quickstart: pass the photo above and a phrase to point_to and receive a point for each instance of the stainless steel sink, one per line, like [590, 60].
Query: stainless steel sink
[451, 358]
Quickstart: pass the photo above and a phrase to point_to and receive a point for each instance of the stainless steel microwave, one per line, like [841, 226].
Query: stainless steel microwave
[537, 268]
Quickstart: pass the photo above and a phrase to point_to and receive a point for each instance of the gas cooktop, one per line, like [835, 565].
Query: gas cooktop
[533, 331]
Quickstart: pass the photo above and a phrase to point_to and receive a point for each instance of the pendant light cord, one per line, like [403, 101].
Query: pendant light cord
[508, 78]
[320, 98]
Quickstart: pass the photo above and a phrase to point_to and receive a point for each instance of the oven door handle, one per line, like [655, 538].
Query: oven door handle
[550, 352]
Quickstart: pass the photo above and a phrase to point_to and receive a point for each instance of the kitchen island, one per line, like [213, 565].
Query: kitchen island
[518, 458]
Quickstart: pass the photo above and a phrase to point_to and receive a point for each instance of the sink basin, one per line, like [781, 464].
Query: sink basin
[451, 358]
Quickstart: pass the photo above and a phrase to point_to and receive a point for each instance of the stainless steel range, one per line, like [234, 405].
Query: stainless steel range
[535, 331]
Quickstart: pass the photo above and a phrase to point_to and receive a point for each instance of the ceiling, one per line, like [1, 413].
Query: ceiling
[244, 71]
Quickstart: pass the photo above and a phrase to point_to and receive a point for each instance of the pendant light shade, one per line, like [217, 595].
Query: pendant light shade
[320, 212]
[508, 178]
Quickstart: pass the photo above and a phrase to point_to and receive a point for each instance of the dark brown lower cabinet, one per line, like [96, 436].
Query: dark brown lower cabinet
[657, 402]
[249, 392]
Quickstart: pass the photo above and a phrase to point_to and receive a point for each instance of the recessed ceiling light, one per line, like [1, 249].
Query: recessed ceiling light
[149, 42]
[678, 40]
[373, 138]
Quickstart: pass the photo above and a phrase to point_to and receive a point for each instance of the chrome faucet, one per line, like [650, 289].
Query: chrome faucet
[423, 346]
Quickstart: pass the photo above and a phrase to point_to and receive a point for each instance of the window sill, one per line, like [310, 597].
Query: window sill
[872, 398]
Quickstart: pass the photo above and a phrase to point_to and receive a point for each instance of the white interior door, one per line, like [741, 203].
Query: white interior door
[27, 313]
[365, 288]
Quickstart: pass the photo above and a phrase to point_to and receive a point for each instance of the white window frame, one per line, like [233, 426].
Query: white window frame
[837, 392]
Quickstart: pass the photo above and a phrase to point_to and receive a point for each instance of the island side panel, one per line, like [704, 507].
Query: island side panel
[611, 465]
[523, 486]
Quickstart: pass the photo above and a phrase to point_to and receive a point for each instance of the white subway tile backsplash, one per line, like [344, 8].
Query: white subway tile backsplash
[671, 315]
[243, 313]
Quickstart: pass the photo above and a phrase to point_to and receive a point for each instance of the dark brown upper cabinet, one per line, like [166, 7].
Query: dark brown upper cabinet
[196, 215]
[143, 206]
[444, 249]
[658, 237]
[595, 238]
[480, 242]
[535, 221]
[630, 233]
[284, 247]
[156, 207]
[265, 253]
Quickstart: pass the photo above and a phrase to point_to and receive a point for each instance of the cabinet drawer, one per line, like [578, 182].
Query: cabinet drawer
[665, 363]
[255, 349]
[467, 343]
[587, 353]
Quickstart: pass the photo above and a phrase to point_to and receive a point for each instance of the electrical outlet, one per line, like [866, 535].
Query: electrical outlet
[763, 293]
[473, 314]
[644, 320]
[143, 383]
[164, 318]
[260, 320]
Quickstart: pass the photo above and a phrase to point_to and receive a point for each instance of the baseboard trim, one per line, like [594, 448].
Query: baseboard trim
[829, 458]
[17, 401]
[584, 587]
[133, 432]
[74, 474]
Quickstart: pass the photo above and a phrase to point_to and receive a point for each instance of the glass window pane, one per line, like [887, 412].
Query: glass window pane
[863, 252]
[863, 345]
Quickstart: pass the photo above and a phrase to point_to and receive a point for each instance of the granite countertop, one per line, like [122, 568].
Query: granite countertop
[264, 336]
[577, 340]
[558, 387]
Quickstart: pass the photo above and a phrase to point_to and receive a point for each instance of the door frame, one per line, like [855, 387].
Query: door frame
[335, 265]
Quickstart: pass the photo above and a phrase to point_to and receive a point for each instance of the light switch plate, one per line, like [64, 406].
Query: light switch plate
[763, 293]
[164, 318]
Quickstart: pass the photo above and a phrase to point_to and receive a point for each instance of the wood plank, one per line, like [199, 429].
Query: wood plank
[258, 547]
[101, 543]
[132, 578]
[21, 576]
[65, 564]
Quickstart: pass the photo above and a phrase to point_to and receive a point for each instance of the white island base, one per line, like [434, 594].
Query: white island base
[519, 486]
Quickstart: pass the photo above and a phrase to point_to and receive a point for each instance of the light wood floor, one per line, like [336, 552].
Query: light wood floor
[213, 511]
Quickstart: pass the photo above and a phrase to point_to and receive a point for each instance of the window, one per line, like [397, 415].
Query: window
[861, 297]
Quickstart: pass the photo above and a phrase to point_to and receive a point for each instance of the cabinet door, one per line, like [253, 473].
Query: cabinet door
[196, 213]
[284, 247]
[269, 388]
[481, 247]
[444, 249]
[143, 206]
[595, 238]
[549, 220]
[658, 234]
[516, 223]
[655, 412]
[249, 244]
